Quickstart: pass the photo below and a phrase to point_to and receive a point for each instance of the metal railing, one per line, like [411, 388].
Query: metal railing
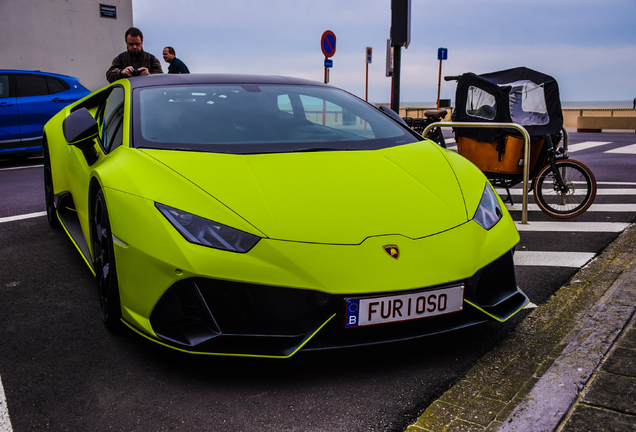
[526, 150]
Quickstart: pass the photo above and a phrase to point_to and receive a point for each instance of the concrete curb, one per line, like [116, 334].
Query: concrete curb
[501, 380]
[550, 399]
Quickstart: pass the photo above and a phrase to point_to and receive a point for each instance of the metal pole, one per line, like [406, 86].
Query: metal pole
[439, 82]
[565, 139]
[366, 91]
[526, 151]
[395, 104]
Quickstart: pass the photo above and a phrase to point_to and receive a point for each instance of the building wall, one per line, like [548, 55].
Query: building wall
[63, 36]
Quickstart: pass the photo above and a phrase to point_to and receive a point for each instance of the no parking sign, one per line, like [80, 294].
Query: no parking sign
[328, 43]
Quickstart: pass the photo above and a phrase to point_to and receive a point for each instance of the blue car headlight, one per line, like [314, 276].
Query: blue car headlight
[208, 233]
[489, 212]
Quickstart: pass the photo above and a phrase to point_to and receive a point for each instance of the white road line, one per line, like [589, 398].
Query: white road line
[616, 183]
[24, 167]
[5, 422]
[20, 217]
[567, 226]
[630, 149]
[603, 191]
[610, 208]
[552, 259]
[586, 145]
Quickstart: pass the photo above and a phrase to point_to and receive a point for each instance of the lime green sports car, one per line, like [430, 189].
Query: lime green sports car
[260, 216]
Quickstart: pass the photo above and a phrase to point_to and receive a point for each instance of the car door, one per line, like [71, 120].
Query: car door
[9, 120]
[39, 99]
[109, 116]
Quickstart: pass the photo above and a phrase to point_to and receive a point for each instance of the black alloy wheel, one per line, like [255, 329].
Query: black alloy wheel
[51, 213]
[105, 271]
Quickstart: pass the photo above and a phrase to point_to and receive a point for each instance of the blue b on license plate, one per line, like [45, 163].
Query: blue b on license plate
[403, 307]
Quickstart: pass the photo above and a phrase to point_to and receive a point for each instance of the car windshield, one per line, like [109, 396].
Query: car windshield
[260, 118]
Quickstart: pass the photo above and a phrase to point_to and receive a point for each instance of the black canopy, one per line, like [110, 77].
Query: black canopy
[518, 95]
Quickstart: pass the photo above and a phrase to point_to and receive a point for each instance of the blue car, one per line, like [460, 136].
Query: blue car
[28, 99]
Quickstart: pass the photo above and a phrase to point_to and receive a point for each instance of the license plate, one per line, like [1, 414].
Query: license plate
[403, 307]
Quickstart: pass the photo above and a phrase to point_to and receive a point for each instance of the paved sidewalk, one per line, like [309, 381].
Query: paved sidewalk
[570, 366]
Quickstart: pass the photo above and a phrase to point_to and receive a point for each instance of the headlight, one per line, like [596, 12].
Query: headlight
[489, 212]
[205, 232]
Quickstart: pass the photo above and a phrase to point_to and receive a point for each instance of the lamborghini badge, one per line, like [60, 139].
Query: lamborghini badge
[392, 250]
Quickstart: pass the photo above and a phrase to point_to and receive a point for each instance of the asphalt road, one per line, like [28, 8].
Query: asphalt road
[62, 370]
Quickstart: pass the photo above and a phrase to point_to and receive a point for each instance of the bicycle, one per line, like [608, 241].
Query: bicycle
[563, 188]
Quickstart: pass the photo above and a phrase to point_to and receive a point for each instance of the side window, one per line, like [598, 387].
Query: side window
[112, 129]
[4, 86]
[480, 103]
[284, 103]
[527, 104]
[56, 85]
[31, 85]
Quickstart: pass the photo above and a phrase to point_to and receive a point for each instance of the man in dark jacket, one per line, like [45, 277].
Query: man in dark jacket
[134, 61]
[176, 65]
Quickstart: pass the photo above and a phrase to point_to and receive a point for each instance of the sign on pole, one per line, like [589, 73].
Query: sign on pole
[328, 43]
[389, 58]
[328, 47]
[369, 55]
[442, 54]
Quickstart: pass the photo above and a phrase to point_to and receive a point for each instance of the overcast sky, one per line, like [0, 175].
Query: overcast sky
[589, 46]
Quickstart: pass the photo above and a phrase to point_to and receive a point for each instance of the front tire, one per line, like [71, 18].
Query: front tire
[577, 194]
[105, 269]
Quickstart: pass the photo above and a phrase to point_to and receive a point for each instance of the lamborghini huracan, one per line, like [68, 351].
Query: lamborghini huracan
[262, 215]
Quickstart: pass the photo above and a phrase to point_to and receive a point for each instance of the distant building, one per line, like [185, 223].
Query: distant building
[70, 37]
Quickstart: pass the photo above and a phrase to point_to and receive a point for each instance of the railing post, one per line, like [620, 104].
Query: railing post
[526, 151]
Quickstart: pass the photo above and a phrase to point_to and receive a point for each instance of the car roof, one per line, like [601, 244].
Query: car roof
[37, 72]
[180, 79]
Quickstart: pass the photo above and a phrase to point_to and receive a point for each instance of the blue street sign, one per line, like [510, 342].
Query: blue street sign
[328, 63]
[442, 53]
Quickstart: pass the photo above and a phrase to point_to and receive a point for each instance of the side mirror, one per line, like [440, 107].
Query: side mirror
[80, 129]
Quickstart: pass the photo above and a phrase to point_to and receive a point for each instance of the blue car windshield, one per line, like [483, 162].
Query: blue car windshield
[260, 118]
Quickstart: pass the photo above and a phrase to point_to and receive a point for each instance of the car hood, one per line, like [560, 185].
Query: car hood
[332, 197]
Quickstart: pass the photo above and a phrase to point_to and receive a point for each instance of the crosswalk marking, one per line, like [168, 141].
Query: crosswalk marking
[571, 259]
[611, 208]
[603, 191]
[586, 145]
[616, 183]
[552, 259]
[630, 149]
[569, 226]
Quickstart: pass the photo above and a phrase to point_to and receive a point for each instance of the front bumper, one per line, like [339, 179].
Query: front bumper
[285, 296]
[218, 317]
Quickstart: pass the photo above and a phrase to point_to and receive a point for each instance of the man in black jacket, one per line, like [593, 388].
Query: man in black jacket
[176, 65]
[134, 61]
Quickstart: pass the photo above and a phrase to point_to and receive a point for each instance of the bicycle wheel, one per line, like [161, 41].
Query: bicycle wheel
[576, 195]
